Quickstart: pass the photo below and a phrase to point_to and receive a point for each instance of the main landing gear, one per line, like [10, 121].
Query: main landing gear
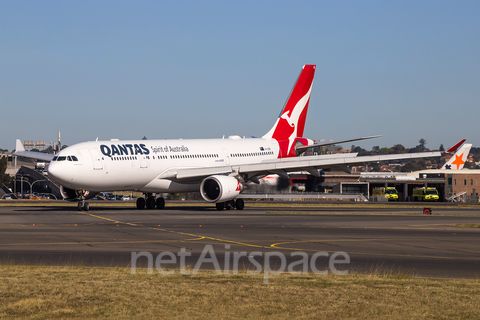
[150, 202]
[238, 204]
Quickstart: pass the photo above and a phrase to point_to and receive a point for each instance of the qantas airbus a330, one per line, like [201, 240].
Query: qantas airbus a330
[218, 168]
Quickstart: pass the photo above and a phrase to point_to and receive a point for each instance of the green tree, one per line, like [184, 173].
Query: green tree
[360, 151]
[48, 150]
[422, 142]
[376, 166]
[4, 178]
[411, 166]
[386, 150]
[398, 148]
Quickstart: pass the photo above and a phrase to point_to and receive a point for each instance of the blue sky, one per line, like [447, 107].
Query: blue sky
[204, 69]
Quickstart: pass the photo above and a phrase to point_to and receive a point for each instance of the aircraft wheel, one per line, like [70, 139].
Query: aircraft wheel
[220, 205]
[150, 203]
[160, 203]
[141, 203]
[83, 206]
[239, 204]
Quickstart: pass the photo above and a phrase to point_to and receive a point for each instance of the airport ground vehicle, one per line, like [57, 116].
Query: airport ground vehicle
[425, 194]
[389, 192]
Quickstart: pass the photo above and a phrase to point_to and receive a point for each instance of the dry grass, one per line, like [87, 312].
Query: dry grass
[350, 213]
[77, 292]
[468, 225]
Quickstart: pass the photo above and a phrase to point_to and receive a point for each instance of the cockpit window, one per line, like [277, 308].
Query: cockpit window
[63, 158]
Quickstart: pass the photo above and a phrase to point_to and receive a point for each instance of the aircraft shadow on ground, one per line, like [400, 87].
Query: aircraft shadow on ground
[120, 209]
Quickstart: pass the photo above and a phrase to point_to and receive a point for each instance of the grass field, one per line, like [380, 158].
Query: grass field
[468, 225]
[114, 293]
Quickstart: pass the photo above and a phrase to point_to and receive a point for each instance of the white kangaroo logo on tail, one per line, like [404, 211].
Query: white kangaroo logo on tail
[289, 119]
[293, 118]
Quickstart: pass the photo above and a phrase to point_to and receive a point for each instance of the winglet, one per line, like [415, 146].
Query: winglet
[455, 147]
[19, 146]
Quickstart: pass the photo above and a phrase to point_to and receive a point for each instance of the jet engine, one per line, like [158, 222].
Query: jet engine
[220, 188]
[72, 195]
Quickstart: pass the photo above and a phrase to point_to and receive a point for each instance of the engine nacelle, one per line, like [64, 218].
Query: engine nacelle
[220, 188]
[70, 194]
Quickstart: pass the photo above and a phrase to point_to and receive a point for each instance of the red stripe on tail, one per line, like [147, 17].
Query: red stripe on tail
[291, 122]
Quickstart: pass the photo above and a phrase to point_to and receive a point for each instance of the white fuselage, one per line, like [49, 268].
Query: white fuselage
[138, 164]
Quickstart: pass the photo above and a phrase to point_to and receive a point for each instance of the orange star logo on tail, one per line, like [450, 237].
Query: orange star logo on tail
[458, 161]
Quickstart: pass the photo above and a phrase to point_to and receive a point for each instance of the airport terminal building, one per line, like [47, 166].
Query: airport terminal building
[452, 185]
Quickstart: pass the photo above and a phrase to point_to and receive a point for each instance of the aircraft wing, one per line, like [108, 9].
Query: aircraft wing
[20, 152]
[301, 148]
[283, 166]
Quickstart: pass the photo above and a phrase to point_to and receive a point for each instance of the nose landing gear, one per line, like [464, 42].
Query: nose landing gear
[82, 204]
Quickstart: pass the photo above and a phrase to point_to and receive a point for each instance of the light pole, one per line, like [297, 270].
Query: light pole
[21, 184]
[30, 184]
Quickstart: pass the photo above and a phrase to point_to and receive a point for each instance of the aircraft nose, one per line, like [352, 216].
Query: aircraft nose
[55, 171]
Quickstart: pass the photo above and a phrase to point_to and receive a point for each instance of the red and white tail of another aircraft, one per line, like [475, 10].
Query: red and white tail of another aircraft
[218, 168]
[457, 161]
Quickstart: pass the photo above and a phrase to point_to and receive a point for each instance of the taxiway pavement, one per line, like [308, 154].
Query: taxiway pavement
[379, 239]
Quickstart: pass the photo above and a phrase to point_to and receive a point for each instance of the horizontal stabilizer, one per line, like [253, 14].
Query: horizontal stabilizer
[455, 147]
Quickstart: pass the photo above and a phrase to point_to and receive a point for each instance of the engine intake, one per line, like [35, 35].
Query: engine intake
[220, 188]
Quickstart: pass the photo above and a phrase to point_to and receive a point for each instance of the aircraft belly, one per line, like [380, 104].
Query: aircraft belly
[164, 185]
